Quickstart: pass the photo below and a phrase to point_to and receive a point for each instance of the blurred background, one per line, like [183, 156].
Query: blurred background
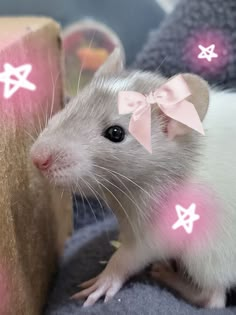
[131, 19]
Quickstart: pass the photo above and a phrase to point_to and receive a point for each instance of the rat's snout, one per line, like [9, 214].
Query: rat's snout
[42, 162]
[42, 158]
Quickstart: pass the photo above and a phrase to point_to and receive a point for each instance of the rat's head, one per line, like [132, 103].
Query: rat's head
[88, 142]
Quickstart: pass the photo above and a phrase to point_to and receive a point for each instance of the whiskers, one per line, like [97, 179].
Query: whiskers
[101, 187]
[33, 138]
[82, 66]
[112, 172]
[54, 84]
[141, 215]
[45, 112]
[121, 206]
[129, 195]
[77, 189]
[81, 195]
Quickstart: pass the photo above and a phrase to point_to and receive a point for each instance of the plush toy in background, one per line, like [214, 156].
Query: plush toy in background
[35, 218]
[199, 37]
[87, 44]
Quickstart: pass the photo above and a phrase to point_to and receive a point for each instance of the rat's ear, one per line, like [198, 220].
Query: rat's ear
[199, 98]
[113, 65]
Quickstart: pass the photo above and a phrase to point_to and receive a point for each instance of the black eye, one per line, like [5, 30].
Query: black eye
[115, 134]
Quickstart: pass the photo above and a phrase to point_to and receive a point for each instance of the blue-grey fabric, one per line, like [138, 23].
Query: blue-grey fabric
[140, 296]
[88, 212]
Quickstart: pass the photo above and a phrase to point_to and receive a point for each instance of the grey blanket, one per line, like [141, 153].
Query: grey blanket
[173, 47]
[140, 295]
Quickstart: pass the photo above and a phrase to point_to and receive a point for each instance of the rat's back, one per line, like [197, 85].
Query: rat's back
[217, 170]
[218, 160]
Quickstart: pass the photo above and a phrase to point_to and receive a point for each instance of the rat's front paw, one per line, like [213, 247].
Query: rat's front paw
[104, 285]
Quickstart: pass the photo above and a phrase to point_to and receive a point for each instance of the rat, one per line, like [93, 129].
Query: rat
[87, 148]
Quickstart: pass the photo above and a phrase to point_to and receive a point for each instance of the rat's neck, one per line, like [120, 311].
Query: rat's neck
[135, 209]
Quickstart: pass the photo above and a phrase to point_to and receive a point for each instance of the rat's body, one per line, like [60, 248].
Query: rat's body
[138, 185]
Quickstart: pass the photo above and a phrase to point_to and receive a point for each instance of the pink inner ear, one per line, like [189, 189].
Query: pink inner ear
[176, 129]
[171, 127]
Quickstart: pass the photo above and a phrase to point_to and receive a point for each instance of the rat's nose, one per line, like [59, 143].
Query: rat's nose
[42, 162]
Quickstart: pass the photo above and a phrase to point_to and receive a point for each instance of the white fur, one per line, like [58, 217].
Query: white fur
[220, 126]
[217, 167]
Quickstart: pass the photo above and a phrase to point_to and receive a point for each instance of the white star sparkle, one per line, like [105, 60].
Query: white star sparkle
[15, 78]
[183, 213]
[207, 52]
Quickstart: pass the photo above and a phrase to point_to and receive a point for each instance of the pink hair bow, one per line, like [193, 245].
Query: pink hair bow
[170, 97]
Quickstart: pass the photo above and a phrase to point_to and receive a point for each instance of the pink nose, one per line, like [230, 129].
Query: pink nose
[42, 163]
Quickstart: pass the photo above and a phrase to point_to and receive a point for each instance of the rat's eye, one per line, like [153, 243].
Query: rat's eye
[115, 134]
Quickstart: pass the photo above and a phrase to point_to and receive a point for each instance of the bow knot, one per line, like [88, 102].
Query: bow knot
[170, 97]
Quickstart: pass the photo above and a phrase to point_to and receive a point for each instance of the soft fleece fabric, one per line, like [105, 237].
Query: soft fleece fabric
[139, 296]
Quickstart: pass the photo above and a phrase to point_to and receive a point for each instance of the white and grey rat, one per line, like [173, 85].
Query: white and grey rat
[87, 147]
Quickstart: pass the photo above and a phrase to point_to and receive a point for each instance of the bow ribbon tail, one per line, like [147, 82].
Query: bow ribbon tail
[141, 129]
[185, 113]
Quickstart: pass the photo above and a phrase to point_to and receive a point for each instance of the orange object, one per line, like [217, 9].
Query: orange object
[92, 58]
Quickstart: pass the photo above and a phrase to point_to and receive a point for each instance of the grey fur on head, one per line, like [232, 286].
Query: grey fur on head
[75, 136]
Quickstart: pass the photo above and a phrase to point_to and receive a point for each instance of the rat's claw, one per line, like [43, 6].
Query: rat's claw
[95, 296]
[83, 294]
[88, 283]
[104, 284]
[112, 292]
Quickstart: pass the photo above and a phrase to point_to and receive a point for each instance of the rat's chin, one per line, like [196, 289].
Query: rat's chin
[78, 188]
[58, 179]
[69, 178]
